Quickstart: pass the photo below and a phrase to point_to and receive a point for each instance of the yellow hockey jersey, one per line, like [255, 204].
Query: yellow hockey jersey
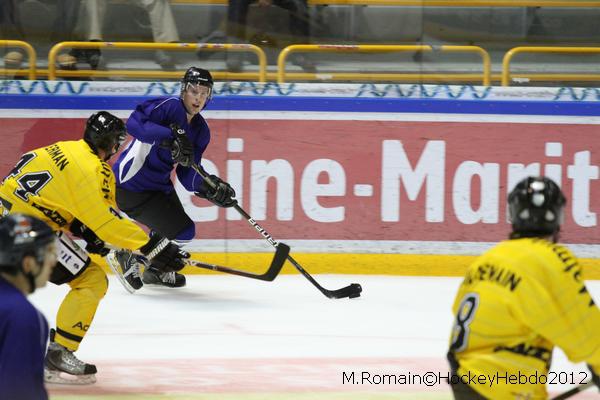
[67, 180]
[518, 301]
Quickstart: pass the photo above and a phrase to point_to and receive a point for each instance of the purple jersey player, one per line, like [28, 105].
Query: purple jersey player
[168, 133]
[27, 256]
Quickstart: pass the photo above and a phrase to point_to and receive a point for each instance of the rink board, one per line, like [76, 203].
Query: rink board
[342, 169]
[351, 263]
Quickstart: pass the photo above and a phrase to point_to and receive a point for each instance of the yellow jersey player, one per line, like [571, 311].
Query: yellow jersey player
[519, 300]
[70, 186]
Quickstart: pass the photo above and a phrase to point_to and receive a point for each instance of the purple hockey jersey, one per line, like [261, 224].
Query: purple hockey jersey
[23, 340]
[145, 165]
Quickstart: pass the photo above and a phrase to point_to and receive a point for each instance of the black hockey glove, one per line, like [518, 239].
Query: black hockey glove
[222, 194]
[164, 254]
[182, 150]
[595, 377]
[94, 244]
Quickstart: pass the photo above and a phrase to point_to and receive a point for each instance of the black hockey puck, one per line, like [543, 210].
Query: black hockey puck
[357, 289]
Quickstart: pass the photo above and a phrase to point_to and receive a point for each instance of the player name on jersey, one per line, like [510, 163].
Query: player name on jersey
[56, 154]
[492, 273]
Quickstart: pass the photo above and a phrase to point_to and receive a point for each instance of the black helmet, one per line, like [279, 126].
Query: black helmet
[104, 131]
[22, 235]
[197, 76]
[535, 207]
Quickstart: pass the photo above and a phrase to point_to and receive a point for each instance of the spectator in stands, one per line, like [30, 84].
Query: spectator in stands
[62, 30]
[67, 13]
[237, 14]
[161, 20]
[11, 29]
[534, 26]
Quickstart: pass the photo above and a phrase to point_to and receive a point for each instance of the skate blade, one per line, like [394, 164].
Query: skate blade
[159, 285]
[62, 378]
[112, 262]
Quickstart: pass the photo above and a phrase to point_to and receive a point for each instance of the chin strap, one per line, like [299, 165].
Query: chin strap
[31, 277]
[31, 280]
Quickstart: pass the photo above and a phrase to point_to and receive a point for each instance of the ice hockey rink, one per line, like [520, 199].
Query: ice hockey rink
[227, 337]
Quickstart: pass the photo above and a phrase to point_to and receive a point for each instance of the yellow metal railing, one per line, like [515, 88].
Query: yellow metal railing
[53, 72]
[31, 56]
[460, 3]
[506, 74]
[262, 75]
[371, 48]
[430, 3]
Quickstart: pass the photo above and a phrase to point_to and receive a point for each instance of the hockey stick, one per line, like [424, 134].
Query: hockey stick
[281, 254]
[572, 392]
[350, 291]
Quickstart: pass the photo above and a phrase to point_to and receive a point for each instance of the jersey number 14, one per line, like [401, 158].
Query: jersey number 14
[30, 183]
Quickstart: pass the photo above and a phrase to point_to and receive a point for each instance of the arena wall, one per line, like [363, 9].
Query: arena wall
[375, 179]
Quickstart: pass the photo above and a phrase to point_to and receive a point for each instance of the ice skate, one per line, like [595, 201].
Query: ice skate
[126, 267]
[153, 276]
[63, 367]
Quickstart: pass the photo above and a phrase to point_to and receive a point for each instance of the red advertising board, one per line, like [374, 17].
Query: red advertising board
[374, 180]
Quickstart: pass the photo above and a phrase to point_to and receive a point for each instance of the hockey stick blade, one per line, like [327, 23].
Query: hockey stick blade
[281, 254]
[351, 291]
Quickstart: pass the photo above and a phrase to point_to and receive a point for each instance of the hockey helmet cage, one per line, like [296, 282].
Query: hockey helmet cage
[22, 235]
[104, 131]
[535, 207]
[198, 76]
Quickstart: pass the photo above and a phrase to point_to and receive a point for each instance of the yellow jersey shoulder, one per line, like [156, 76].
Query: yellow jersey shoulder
[80, 152]
[541, 257]
[88, 164]
[511, 261]
[73, 156]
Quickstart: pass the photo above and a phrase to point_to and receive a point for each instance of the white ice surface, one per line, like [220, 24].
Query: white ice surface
[220, 317]
[223, 316]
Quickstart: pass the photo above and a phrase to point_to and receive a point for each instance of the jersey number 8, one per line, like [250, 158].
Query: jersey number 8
[464, 317]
